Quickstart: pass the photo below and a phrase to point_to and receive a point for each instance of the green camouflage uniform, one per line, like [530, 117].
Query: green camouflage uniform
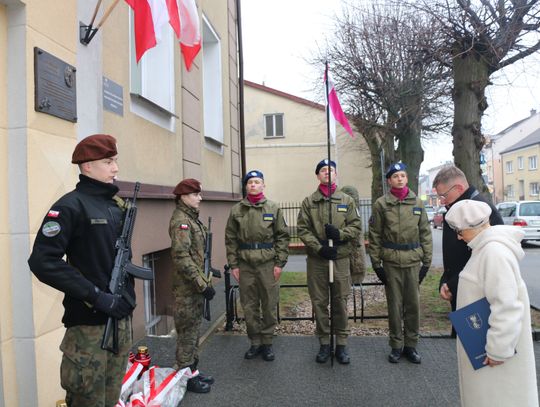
[395, 228]
[90, 376]
[188, 237]
[312, 217]
[248, 226]
[358, 253]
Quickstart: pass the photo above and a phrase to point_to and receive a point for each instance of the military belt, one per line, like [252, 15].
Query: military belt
[254, 246]
[401, 246]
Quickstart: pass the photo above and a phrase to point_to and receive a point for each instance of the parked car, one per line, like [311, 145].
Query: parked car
[525, 214]
[430, 212]
[438, 217]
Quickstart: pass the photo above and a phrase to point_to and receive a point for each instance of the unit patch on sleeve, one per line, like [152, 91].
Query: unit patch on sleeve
[53, 214]
[417, 211]
[342, 208]
[268, 217]
[50, 229]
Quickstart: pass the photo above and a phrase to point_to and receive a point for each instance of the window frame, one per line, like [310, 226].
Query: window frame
[509, 166]
[533, 159]
[274, 130]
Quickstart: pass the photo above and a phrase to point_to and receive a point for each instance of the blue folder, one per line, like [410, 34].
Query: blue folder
[471, 325]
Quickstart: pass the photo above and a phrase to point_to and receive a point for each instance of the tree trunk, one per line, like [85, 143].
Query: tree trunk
[471, 76]
[410, 147]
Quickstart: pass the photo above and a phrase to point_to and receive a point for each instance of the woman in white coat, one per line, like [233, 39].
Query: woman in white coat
[493, 272]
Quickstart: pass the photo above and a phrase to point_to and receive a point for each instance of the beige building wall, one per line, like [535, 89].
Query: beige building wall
[35, 168]
[524, 176]
[289, 162]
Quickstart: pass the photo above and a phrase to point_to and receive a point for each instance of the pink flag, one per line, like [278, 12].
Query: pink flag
[336, 112]
[149, 17]
[190, 36]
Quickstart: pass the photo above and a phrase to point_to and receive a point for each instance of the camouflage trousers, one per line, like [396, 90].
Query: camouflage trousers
[91, 376]
[188, 311]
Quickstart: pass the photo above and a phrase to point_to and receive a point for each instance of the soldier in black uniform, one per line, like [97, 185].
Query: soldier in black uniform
[83, 225]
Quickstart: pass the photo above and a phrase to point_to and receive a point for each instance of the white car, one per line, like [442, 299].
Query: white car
[525, 214]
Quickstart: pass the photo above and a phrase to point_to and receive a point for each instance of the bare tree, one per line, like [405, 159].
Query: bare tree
[482, 37]
[383, 63]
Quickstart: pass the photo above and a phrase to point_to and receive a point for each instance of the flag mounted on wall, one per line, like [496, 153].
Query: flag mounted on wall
[336, 112]
[151, 15]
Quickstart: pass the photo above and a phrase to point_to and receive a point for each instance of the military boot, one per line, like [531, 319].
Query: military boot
[341, 355]
[267, 353]
[203, 377]
[197, 386]
[324, 354]
[412, 355]
[394, 355]
[252, 352]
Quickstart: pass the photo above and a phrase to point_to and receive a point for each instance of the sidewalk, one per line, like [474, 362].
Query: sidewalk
[294, 379]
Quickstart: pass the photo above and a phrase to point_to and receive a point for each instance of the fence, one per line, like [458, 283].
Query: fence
[231, 306]
[291, 209]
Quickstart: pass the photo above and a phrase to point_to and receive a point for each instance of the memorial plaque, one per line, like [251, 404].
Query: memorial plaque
[55, 86]
[113, 97]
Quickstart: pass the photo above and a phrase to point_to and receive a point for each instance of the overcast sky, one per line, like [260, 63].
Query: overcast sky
[279, 35]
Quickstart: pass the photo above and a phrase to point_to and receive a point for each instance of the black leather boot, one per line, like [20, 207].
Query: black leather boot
[267, 353]
[252, 352]
[203, 377]
[341, 355]
[412, 355]
[197, 386]
[324, 354]
[394, 355]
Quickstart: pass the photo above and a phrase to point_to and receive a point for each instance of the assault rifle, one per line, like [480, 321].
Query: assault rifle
[123, 267]
[209, 271]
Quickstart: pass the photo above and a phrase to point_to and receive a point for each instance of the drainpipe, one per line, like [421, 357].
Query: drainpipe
[241, 94]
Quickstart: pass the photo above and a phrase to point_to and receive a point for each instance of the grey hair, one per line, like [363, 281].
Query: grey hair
[448, 174]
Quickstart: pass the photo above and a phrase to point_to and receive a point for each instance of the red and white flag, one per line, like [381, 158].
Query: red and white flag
[149, 17]
[190, 36]
[336, 112]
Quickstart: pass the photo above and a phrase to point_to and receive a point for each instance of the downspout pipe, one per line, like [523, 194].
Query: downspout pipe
[241, 95]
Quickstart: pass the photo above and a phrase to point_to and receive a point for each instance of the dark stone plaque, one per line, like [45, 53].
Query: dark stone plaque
[55, 86]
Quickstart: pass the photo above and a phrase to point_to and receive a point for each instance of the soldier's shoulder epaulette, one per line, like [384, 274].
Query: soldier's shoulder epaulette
[120, 202]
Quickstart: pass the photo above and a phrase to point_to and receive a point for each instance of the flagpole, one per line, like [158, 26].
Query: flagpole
[330, 242]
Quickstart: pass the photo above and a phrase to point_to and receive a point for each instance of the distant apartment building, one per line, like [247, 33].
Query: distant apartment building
[493, 166]
[520, 173]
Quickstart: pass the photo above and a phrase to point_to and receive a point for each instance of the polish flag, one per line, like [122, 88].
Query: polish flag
[336, 112]
[190, 35]
[150, 16]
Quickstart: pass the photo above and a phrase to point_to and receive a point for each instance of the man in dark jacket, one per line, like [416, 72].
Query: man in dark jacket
[452, 186]
[84, 225]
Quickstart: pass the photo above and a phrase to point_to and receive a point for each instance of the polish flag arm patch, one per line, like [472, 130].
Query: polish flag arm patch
[53, 214]
[183, 226]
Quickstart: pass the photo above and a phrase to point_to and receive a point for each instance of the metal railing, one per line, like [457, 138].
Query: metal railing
[231, 305]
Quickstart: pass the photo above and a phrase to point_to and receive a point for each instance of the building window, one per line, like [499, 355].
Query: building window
[532, 163]
[273, 125]
[152, 79]
[510, 191]
[509, 167]
[520, 163]
[533, 189]
[212, 86]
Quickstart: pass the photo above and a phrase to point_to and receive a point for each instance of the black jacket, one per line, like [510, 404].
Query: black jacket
[83, 225]
[456, 253]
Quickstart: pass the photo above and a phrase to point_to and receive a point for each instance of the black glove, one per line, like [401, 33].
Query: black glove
[381, 274]
[113, 305]
[422, 274]
[331, 231]
[209, 293]
[328, 253]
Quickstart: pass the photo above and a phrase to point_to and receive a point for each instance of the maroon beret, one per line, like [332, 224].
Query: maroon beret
[94, 148]
[187, 186]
